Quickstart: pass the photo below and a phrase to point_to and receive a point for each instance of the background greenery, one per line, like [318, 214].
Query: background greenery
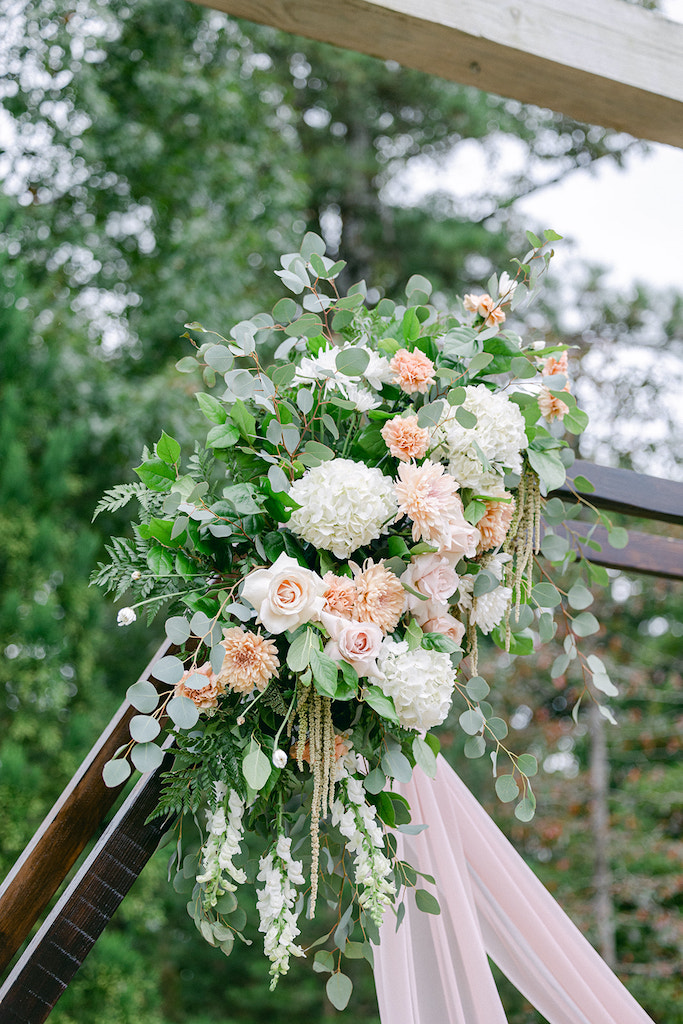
[161, 157]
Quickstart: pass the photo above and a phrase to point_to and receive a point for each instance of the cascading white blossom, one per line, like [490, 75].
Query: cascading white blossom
[356, 820]
[343, 505]
[420, 682]
[219, 875]
[498, 435]
[276, 902]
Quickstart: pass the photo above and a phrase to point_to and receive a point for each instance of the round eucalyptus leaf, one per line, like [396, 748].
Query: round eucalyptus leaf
[177, 629]
[183, 712]
[477, 688]
[115, 772]
[168, 670]
[144, 728]
[506, 788]
[143, 696]
[475, 746]
[339, 988]
[471, 721]
[146, 756]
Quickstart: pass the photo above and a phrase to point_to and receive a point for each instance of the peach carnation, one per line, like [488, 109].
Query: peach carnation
[250, 660]
[486, 307]
[552, 366]
[341, 749]
[495, 523]
[551, 407]
[339, 596]
[412, 371]
[404, 439]
[380, 597]
[206, 698]
[427, 495]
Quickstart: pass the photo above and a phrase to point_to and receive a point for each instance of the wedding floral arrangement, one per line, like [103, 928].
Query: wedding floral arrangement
[366, 503]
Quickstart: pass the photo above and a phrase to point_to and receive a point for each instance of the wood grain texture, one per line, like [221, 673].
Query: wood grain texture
[632, 494]
[600, 61]
[62, 836]
[645, 553]
[86, 907]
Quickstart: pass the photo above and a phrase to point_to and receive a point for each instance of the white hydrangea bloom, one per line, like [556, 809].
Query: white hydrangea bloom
[420, 682]
[344, 504]
[499, 435]
[355, 818]
[277, 917]
[222, 846]
[488, 610]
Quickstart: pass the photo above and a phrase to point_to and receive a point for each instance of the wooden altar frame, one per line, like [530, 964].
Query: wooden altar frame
[599, 60]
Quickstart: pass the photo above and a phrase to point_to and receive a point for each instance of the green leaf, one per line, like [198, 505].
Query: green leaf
[585, 624]
[224, 435]
[475, 746]
[523, 368]
[471, 721]
[554, 547]
[546, 595]
[484, 583]
[526, 808]
[146, 756]
[301, 649]
[143, 696]
[352, 362]
[551, 236]
[219, 358]
[380, 703]
[465, 418]
[617, 537]
[211, 407]
[168, 449]
[477, 688]
[575, 420]
[339, 988]
[498, 727]
[186, 365]
[549, 468]
[284, 312]
[427, 903]
[115, 772]
[177, 629]
[424, 757]
[256, 768]
[579, 597]
[160, 561]
[479, 362]
[183, 712]
[546, 627]
[156, 475]
[534, 240]
[413, 635]
[144, 728]
[323, 962]
[527, 765]
[375, 781]
[583, 484]
[521, 619]
[397, 766]
[325, 672]
[506, 788]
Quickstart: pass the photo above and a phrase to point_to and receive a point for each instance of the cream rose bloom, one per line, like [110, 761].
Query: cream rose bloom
[358, 643]
[285, 596]
[433, 577]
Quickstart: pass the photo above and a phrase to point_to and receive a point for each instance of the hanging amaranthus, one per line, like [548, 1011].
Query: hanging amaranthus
[523, 542]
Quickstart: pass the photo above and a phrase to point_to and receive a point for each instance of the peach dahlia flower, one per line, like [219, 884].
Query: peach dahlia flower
[380, 597]
[206, 698]
[250, 660]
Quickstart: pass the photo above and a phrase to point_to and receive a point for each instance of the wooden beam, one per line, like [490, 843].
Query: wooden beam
[645, 553]
[605, 62]
[631, 494]
[85, 909]
[63, 835]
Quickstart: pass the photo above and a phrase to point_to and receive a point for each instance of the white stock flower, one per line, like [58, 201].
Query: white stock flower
[286, 595]
[420, 683]
[125, 617]
[498, 434]
[277, 919]
[344, 504]
[219, 874]
[355, 819]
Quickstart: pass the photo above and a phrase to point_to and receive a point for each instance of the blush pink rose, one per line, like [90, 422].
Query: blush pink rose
[285, 596]
[447, 624]
[433, 577]
[357, 643]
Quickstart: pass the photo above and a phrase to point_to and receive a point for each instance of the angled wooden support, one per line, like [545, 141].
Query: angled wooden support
[62, 836]
[83, 912]
[601, 61]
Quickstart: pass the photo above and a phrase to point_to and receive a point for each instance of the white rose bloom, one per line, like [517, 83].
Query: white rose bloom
[344, 504]
[498, 433]
[126, 616]
[285, 596]
[420, 682]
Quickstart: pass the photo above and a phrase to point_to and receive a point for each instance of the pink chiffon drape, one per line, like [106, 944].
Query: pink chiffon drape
[434, 969]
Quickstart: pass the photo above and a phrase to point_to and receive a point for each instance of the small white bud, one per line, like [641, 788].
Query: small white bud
[506, 286]
[240, 719]
[279, 758]
[126, 616]
[136, 575]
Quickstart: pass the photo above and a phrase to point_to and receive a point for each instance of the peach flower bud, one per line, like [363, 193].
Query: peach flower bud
[551, 407]
[412, 371]
[405, 439]
[552, 366]
[485, 307]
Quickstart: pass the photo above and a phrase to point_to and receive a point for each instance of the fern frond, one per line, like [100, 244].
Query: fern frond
[116, 497]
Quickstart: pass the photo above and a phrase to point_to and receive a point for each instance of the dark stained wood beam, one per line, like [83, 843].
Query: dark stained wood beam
[601, 61]
[645, 553]
[62, 836]
[86, 907]
[632, 494]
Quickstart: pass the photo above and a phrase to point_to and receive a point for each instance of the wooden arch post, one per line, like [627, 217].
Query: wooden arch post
[601, 61]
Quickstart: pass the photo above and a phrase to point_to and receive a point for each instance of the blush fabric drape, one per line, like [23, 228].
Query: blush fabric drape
[434, 969]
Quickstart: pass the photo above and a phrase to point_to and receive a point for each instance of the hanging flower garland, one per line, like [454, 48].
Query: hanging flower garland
[367, 502]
